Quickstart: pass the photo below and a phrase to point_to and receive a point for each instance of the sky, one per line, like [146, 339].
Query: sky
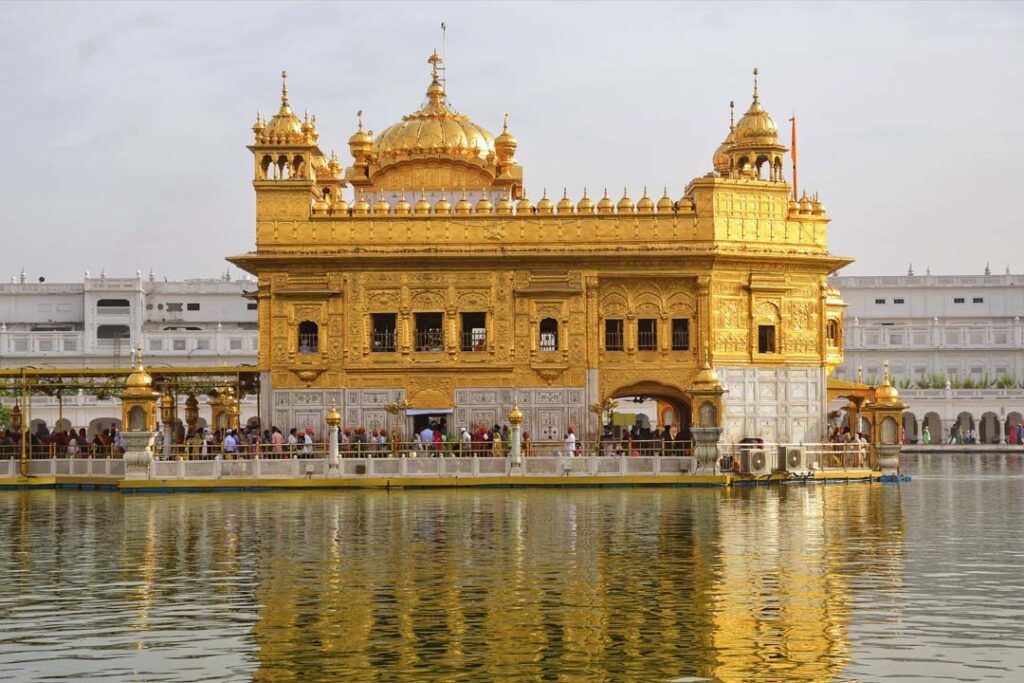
[125, 124]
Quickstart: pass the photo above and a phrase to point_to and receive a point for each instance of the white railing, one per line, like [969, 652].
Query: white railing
[73, 467]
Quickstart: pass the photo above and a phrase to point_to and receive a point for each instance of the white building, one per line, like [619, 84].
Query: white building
[955, 346]
[98, 323]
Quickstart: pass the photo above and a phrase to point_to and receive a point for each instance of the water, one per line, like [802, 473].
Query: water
[861, 582]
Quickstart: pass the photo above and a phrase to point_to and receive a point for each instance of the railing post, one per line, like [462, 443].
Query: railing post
[657, 465]
[622, 464]
[181, 469]
[216, 468]
[257, 467]
[475, 467]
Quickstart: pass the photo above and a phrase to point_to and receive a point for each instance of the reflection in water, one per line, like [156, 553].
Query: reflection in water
[794, 583]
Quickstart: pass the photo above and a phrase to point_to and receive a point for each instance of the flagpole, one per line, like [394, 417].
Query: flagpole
[796, 197]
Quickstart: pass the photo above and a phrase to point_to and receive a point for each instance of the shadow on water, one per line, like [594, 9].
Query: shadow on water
[812, 583]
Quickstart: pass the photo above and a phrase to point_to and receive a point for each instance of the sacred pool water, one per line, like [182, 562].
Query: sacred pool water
[841, 582]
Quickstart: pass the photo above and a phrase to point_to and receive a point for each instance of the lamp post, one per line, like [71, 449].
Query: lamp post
[16, 425]
[333, 420]
[191, 412]
[168, 416]
[515, 418]
[398, 411]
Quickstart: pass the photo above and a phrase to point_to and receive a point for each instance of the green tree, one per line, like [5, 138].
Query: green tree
[5, 415]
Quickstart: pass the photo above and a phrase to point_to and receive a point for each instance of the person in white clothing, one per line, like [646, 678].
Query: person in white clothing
[307, 441]
[570, 443]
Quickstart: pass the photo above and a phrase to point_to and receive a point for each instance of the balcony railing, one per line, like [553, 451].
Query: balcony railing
[382, 341]
[473, 342]
[431, 340]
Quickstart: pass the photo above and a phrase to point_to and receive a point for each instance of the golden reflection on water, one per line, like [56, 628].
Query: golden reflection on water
[586, 585]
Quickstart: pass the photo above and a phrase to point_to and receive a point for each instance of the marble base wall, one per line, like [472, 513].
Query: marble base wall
[780, 405]
[547, 413]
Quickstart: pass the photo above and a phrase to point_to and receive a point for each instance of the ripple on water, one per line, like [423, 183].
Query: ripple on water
[857, 582]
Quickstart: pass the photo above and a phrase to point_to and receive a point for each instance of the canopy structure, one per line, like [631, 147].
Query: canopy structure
[24, 383]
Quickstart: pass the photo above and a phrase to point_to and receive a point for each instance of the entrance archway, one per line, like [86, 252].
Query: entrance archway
[988, 428]
[661, 406]
[910, 427]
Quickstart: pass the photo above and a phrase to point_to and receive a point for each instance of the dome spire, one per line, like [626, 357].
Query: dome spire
[732, 115]
[755, 84]
[284, 90]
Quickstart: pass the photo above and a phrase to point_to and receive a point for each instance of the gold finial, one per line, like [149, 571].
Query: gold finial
[359, 118]
[645, 190]
[755, 84]
[505, 126]
[565, 193]
[138, 357]
[544, 195]
[732, 117]
[434, 59]
[284, 88]
[885, 371]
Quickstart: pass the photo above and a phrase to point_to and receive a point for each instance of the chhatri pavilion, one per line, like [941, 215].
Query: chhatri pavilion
[424, 277]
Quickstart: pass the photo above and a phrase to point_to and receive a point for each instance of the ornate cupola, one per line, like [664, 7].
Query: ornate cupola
[436, 148]
[754, 152]
[288, 159]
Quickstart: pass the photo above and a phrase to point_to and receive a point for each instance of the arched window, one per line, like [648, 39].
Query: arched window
[548, 334]
[309, 337]
[832, 333]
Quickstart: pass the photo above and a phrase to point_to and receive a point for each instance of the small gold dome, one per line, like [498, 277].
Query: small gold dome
[333, 418]
[463, 207]
[817, 208]
[483, 205]
[524, 206]
[756, 126]
[504, 206]
[139, 379]
[284, 126]
[585, 205]
[402, 207]
[340, 207]
[545, 207]
[886, 393]
[360, 143]
[665, 204]
[805, 204]
[625, 204]
[443, 206]
[505, 144]
[320, 207]
[515, 416]
[605, 205]
[381, 206]
[646, 205]
[565, 204]
[422, 205]
[684, 205]
[361, 207]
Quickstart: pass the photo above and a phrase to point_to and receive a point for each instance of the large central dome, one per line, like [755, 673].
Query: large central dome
[435, 148]
[435, 130]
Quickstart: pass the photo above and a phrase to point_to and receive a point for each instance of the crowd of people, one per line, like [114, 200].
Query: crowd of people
[44, 443]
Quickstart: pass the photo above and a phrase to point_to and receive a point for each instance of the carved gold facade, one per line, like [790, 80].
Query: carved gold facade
[574, 295]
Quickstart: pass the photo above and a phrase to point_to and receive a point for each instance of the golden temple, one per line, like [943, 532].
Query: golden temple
[439, 283]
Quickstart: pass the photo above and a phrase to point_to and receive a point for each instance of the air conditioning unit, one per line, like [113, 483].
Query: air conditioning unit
[754, 461]
[792, 459]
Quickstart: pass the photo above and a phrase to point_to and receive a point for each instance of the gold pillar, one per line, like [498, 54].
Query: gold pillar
[138, 400]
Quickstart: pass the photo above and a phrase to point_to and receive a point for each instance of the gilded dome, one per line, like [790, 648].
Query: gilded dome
[665, 204]
[434, 130]
[381, 206]
[402, 207]
[605, 204]
[565, 204]
[463, 207]
[645, 205]
[756, 126]
[422, 205]
[585, 205]
[361, 206]
[443, 206]
[544, 206]
[504, 205]
[484, 205]
[524, 206]
[284, 126]
[139, 379]
[505, 144]
[625, 204]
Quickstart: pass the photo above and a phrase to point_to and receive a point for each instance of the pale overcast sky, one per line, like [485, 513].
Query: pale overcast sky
[125, 124]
